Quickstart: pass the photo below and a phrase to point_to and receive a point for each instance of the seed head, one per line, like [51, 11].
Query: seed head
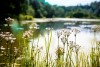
[66, 32]
[77, 47]
[8, 36]
[96, 28]
[60, 51]
[76, 31]
[59, 33]
[64, 40]
[27, 34]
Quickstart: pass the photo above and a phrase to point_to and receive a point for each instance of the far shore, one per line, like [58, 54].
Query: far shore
[45, 20]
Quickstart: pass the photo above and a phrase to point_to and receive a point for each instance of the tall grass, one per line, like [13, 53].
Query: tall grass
[67, 56]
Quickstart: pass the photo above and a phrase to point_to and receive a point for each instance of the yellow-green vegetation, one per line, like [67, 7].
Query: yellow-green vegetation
[26, 55]
[25, 17]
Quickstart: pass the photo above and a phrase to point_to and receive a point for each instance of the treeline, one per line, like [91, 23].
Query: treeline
[46, 10]
[39, 9]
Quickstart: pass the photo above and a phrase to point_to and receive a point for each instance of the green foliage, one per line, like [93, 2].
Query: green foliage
[30, 11]
[40, 9]
[59, 12]
[49, 11]
[25, 17]
[11, 8]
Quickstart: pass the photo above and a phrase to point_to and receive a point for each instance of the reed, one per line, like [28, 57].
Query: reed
[67, 56]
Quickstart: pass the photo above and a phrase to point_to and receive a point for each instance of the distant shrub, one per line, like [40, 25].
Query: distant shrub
[25, 17]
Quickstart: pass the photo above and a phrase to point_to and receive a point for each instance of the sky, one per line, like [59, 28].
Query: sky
[70, 2]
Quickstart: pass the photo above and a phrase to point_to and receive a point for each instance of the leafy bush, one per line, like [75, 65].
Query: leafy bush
[25, 17]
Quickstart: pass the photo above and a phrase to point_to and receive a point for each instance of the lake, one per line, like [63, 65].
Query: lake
[85, 38]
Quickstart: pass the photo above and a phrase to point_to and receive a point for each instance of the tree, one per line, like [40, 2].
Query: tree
[30, 11]
[10, 8]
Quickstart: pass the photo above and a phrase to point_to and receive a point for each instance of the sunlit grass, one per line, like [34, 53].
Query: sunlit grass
[32, 56]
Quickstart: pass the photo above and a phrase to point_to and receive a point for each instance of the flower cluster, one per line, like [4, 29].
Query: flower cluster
[64, 34]
[76, 31]
[15, 49]
[96, 28]
[8, 36]
[77, 47]
[71, 45]
[2, 48]
[9, 19]
[27, 34]
[64, 40]
[74, 47]
[59, 33]
[60, 51]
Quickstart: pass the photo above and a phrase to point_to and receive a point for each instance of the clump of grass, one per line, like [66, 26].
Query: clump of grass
[47, 45]
[95, 55]
[95, 50]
